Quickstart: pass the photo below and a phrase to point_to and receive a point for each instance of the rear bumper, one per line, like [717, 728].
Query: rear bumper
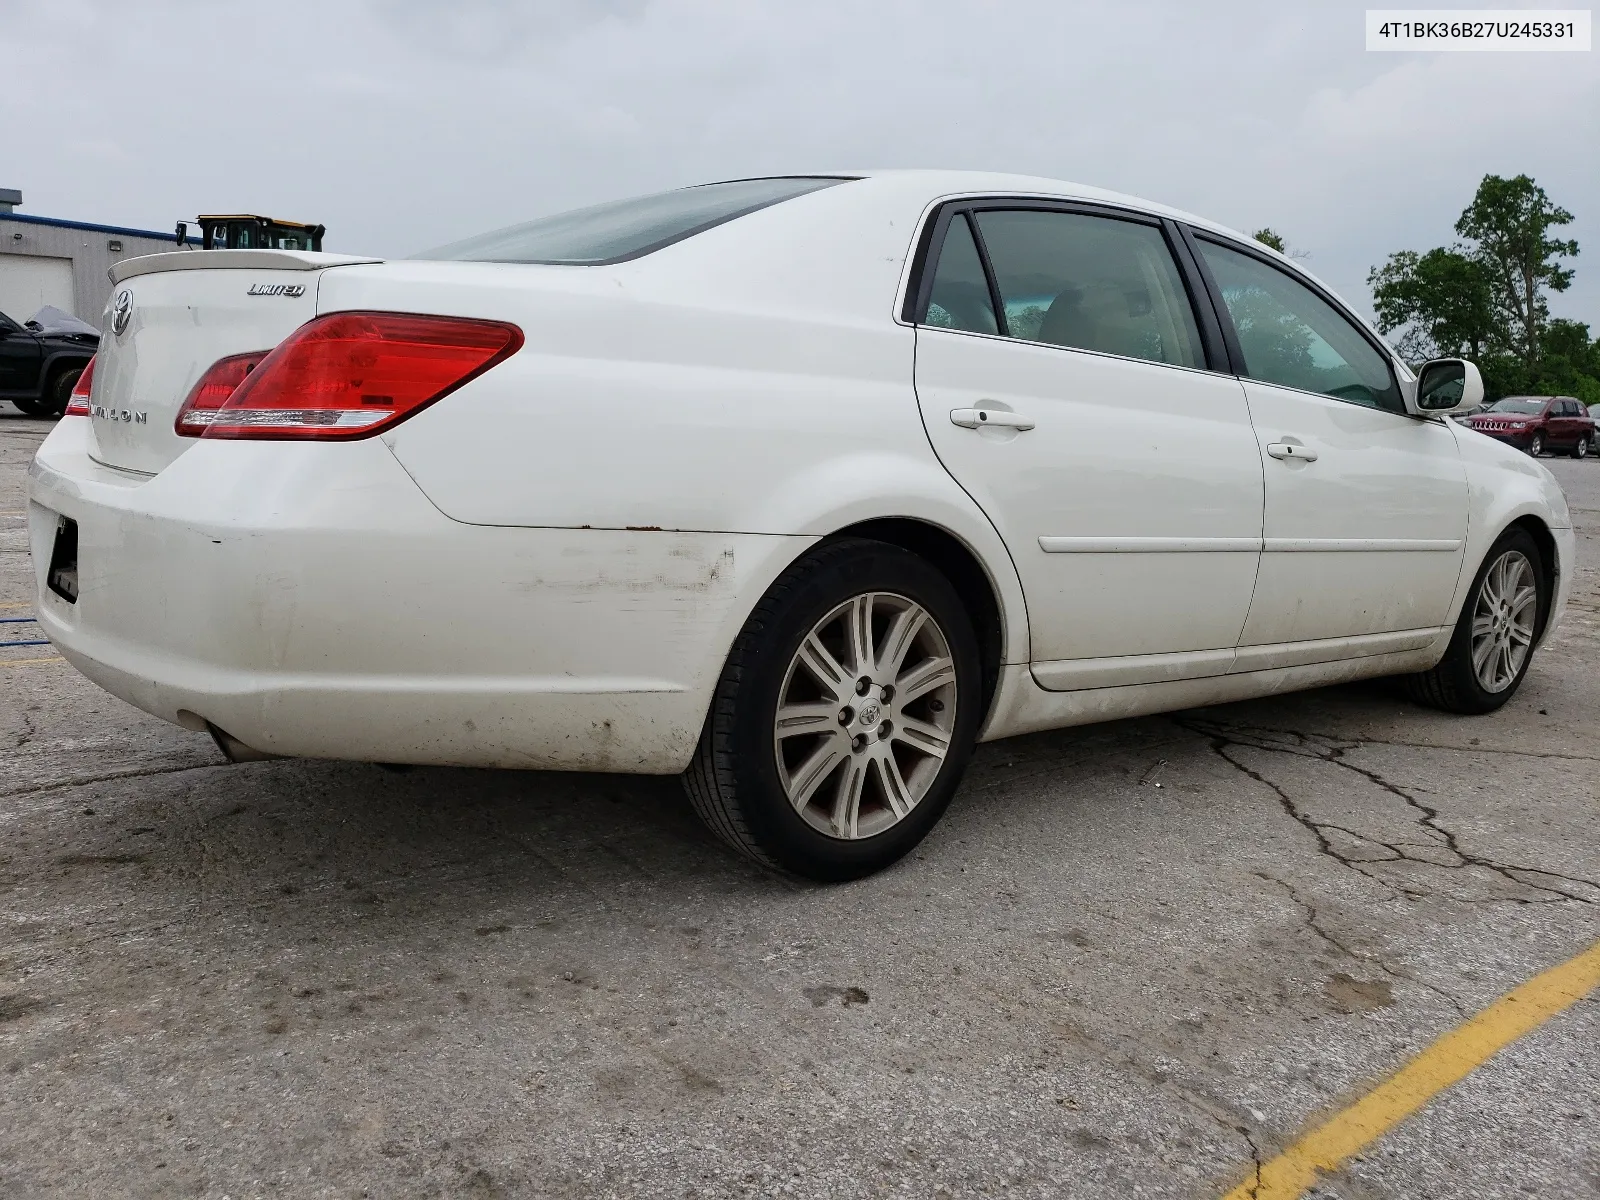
[309, 601]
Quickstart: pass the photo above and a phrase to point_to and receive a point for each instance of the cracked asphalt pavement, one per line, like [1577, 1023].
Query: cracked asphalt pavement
[1133, 959]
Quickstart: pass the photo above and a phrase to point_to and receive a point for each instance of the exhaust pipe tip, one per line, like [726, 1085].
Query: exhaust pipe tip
[236, 751]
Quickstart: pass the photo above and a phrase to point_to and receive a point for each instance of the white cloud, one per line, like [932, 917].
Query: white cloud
[405, 123]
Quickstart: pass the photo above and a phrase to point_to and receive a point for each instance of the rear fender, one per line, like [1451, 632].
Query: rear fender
[856, 488]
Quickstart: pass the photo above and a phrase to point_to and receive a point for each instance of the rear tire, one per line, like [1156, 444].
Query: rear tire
[1493, 643]
[53, 397]
[871, 655]
[58, 392]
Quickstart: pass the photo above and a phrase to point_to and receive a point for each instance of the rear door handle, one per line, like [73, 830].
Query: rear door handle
[977, 418]
[1292, 450]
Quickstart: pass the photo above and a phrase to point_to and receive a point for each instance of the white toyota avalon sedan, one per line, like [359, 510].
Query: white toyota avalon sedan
[799, 486]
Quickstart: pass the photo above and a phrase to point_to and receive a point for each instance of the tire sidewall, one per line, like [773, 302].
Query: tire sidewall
[1536, 446]
[783, 833]
[59, 392]
[1458, 658]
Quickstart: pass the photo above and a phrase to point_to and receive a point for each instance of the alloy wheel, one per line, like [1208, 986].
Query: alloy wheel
[865, 715]
[1503, 620]
[1536, 447]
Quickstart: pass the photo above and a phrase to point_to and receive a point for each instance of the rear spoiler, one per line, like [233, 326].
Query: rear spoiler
[240, 260]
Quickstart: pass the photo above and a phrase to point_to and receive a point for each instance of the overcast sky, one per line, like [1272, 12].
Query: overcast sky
[402, 124]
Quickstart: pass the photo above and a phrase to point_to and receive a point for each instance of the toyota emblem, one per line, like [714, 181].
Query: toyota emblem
[121, 311]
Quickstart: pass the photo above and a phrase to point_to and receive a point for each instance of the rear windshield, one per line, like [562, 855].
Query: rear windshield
[1516, 404]
[624, 229]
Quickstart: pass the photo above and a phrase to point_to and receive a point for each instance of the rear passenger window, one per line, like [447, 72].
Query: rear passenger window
[960, 298]
[1090, 283]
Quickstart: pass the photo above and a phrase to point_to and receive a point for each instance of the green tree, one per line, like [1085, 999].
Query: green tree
[1486, 297]
[1510, 221]
[1442, 301]
[1272, 238]
[1569, 363]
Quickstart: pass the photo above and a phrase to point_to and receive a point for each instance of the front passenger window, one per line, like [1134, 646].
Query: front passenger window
[1291, 336]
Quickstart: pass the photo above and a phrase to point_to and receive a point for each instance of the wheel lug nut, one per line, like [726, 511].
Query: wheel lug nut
[935, 705]
[858, 743]
[885, 729]
[863, 686]
[888, 692]
[846, 715]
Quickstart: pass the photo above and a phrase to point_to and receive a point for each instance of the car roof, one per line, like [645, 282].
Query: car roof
[944, 182]
[937, 185]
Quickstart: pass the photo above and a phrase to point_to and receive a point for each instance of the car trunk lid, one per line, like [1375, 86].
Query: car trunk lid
[171, 316]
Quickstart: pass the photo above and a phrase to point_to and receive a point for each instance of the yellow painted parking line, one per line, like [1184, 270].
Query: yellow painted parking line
[28, 662]
[1445, 1063]
[17, 604]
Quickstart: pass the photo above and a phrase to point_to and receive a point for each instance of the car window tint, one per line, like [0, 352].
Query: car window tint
[960, 295]
[1291, 336]
[1090, 283]
[625, 229]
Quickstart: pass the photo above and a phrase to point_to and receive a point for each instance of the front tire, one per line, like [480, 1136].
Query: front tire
[1580, 448]
[844, 717]
[1536, 446]
[1492, 646]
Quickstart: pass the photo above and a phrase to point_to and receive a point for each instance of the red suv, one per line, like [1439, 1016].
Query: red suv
[1537, 424]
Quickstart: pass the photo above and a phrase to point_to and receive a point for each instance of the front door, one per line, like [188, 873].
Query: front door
[1366, 507]
[1066, 389]
[19, 357]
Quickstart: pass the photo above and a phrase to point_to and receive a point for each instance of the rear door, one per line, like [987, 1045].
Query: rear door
[1063, 381]
[1573, 427]
[1366, 506]
[1555, 424]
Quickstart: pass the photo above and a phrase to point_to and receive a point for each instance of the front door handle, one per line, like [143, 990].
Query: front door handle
[977, 418]
[1292, 450]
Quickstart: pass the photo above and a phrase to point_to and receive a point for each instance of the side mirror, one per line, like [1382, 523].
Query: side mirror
[1447, 385]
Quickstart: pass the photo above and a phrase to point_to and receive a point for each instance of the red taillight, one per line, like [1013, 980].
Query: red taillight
[213, 390]
[78, 402]
[345, 375]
